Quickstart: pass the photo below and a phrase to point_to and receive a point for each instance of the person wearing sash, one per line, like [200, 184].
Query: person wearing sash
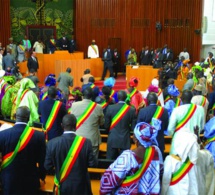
[50, 80]
[134, 96]
[154, 87]
[52, 45]
[120, 119]
[146, 114]
[89, 117]
[26, 97]
[189, 85]
[110, 82]
[170, 81]
[21, 52]
[129, 172]
[71, 175]
[173, 100]
[23, 150]
[211, 98]
[52, 112]
[199, 99]
[93, 50]
[91, 84]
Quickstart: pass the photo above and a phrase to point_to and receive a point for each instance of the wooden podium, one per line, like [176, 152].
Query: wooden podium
[145, 74]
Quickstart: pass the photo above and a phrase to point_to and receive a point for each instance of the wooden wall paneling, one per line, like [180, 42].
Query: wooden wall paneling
[92, 17]
[5, 28]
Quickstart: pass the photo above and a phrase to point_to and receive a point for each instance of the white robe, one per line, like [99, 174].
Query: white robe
[188, 185]
[91, 52]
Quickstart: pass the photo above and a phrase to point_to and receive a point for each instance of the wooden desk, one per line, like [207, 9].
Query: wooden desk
[144, 73]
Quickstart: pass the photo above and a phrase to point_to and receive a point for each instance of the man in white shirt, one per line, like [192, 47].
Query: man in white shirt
[185, 54]
[93, 50]
[39, 46]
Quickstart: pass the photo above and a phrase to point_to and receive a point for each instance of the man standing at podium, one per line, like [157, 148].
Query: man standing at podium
[93, 50]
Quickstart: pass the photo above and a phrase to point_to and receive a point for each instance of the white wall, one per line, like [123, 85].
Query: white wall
[208, 38]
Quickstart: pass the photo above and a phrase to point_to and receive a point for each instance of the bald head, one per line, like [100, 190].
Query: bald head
[186, 97]
[69, 122]
[22, 114]
[152, 98]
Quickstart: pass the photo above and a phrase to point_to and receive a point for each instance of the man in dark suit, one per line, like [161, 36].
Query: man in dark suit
[22, 175]
[45, 108]
[8, 61]
[145, 56]
[168, 56]
[33, 62]
[116, 61]
[63, 42]
[119, 135]
[158, 59]
[72, 45]
[77, 181]
[108, 63]
[146, 114]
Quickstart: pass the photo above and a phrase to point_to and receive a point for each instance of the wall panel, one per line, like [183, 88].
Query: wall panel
[5, 29]
[134, 22]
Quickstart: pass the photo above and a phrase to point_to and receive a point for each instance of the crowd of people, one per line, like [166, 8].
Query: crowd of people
[71, 121]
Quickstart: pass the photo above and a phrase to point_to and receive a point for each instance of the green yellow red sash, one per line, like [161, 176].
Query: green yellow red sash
[159, 92]
[22, 143]
[69, 162]
[53, 115]
[69, 110]
[94, 48]
[133, 93]
[181, 172]
[213, 110]
[167, 99]
[22, 96]
[22, 47]
[112, 93]
[210, 140]
[86, 114]
[3, 85]
[158, 112]
[119, 115]
[104, 104]
[178, 102]
[45, 95]
[149, 154]
[52, 41]
[203, 102]
[8, 87]
[92, 86]
[186, 118]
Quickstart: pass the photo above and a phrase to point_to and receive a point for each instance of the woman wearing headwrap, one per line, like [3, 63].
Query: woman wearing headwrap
[26, 97]
[172, 101]
[134, 96]
[186, 171]
[136, 171]
[110, 82]
[154, 87]
[49, 81]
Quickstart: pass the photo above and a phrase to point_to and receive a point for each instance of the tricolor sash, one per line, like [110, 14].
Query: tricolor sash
[3, 85]
[52, 115]
[203, 102]
[22, 47]
[82, 118]
[177, 103]
[22, 143]
[167, 99]
[69, 110]
[149, 154]
[22, 96]
[112, 93]
[186, 118]
[159, 92]
[213, 110]
[45, 95]
[92, 86]
[158, 112]
[132, 93]
[119, 115]
[210, 140]
[69, 162]
[94, 48]
[104, 104]
[181, 172]
[8, 87]
[52, 41]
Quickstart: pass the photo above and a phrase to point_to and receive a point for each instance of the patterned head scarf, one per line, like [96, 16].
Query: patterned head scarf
[146, 134]
[133, 82]
[173, 90]
[50, 80]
